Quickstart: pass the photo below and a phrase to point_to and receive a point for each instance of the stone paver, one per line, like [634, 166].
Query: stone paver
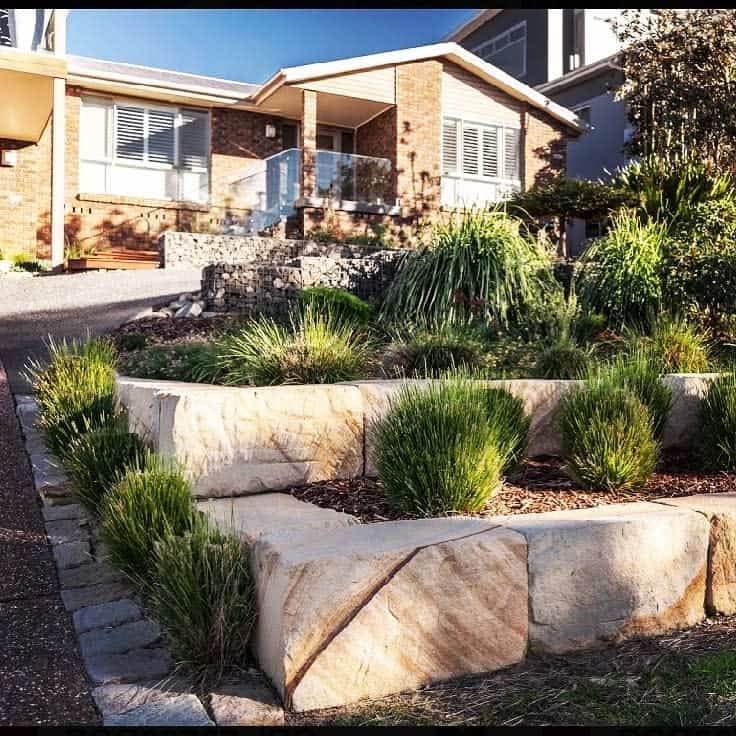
[248, 701]
[58, 513]
[72, 554]
[181, 710]
[138, 664]
[119, 639]
[64, 531]
[112, 613]
[93, 573]
[75, 598]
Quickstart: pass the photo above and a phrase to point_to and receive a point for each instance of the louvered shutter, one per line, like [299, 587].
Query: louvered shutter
[449, 148]
[490, 152]
[161, 137]
[129, 142]
[471, 149]
[511, 153]
[193, 140]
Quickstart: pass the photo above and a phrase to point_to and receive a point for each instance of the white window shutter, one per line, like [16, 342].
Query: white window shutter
[471, 149]
[193, 139]
[161, 137]
[129, 133]
[93, 129]
[490, 153]
[449, 148]
[512, 153]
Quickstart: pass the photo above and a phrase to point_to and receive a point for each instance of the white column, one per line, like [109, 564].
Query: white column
[58, 143]
[554, 43]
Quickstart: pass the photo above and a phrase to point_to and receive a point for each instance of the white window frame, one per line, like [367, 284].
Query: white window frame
[501, 142]
[111, 160]
[492, 42]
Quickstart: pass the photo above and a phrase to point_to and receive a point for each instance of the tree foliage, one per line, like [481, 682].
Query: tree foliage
[680, 82]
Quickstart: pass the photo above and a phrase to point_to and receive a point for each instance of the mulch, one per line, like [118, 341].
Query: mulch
[42, 676]
[541, 484]
[166, 330]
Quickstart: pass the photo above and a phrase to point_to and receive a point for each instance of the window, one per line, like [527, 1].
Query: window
[144, 150]
[473, 150]
[507, 50]
[578, 41]
[583, 113]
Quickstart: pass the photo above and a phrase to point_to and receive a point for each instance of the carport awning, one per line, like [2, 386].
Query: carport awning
[26, 86]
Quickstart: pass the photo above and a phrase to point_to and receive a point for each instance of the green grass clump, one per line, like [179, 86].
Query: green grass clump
[478, 265]
[431, 353]
[638, 373]
[313, 348]
[509, 424]
[718, 422]
[675, 345]
[145, 506]
[203, 597]
[193, 362]
[75, 389]
[341, 304]
[98, 458]
[436, 450]
[607, 438]
[563, 359]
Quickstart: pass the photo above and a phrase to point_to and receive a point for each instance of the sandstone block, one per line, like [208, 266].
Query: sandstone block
[681, 427]
[612, 572]
[369, 610]
[720, 510]
[245, 440]
[271, 513]
[248, 701]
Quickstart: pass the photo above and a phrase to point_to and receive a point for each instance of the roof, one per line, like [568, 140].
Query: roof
[150, 76]
[580, 74]
[472, 24]
[82, 69]
[450, 51]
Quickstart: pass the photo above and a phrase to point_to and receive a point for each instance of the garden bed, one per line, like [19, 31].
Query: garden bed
[540, 485]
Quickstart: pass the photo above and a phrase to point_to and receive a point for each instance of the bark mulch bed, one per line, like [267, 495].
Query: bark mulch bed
[541, 484]
[167, 330]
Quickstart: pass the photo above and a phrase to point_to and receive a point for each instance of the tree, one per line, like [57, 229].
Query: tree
[565, 198]
[680, 83]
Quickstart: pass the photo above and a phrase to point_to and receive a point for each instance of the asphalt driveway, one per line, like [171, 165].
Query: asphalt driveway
[67, 305]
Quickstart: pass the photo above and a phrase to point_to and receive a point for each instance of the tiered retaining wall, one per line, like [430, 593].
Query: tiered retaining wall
[350, 611]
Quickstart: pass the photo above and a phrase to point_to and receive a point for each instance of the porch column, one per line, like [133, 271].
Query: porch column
[309, 142]
[58, 144]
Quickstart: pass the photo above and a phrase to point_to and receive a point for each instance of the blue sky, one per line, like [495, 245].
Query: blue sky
[249, 45]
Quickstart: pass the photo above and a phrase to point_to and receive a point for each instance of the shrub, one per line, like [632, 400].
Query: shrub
[194, 362]
[204, 598]
[674, 346]
[622, 271]
[75, 389]
[431, 353]
[563, 359]
[478, 265]
[98, 458]
[607, 438]
[639, 374]
[313, 348]
[26, 262]
[340, 303]
[146, 505]
[130, 341]
[718, 422]
[436, 451]
[586, 327]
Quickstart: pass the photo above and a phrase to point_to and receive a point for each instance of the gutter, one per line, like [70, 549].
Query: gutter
[579, 75]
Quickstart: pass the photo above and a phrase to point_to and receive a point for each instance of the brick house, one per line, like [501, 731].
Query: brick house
[392, 138]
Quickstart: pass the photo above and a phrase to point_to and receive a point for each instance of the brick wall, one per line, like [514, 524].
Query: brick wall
[545, 148]
[25, 198]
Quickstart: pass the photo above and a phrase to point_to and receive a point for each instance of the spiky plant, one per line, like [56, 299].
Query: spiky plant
[203, 597]
[718, 422]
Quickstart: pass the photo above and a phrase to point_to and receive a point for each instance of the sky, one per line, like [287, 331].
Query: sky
[250, 45]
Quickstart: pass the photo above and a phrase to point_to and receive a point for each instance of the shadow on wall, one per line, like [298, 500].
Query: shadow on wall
[550, 161]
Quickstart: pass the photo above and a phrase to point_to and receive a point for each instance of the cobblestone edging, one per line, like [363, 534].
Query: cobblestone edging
[133, 673]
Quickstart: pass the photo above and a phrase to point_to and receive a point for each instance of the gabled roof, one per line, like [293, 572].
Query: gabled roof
[471, 24]
[450, 51]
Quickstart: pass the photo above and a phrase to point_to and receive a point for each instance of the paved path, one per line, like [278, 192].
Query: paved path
[42, 677]
[66, 305]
